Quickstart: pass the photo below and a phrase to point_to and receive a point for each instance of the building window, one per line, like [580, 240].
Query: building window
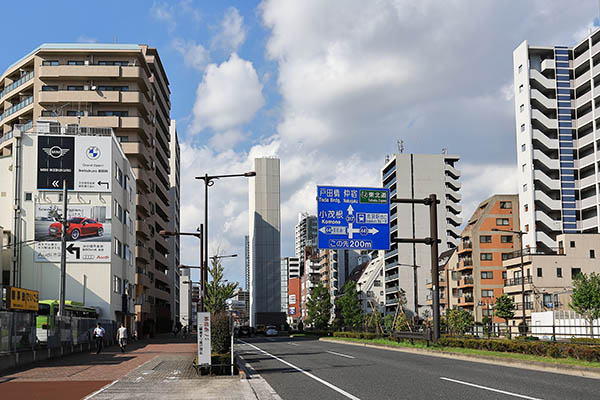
[50, 62]
[572, 244]
[539, 272]
[74, 88]
[523, 167]
[487, 293]
[559, 272]
[71, 113]
[505, 256]
[487, 275]
[485, 239]
[520, 68]
[49, 88]
[575, 272]
[520, 88]
[506, 239]
[525, 187]
[502, 221]
[526, 207]
[521, 108]
[523, 147]
[522, 127]
[506, 205]
[526, 227]
[116, 284]
[504, 275]
[75, 62]
[487, 312]
[592, 254]
[485, 256]
[29, 197]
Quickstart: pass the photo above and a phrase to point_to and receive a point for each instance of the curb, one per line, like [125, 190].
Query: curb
[585, 372]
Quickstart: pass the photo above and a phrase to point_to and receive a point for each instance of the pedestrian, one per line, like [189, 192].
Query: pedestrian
[99, 336]
[122, 337]
[185, 332]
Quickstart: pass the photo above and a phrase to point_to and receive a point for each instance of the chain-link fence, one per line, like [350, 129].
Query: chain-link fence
[18, 331]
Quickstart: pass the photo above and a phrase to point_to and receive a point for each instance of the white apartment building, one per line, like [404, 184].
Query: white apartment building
[305, 235]
[101, 209]
[370, 285]
[556, 131]
[186, 309]
[174, 221]
[416, 176]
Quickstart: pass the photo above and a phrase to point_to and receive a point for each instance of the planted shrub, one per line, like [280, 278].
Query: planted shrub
[220, 335]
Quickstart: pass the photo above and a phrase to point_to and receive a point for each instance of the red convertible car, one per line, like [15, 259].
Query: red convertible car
[77, 227]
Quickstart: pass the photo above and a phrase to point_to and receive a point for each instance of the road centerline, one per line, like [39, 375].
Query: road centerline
[339, 354]
[324, 382]
[522, 396]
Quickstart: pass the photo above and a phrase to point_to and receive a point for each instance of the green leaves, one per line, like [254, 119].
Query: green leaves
[319, 308]
[459, 321]
[504, 308]
[586, 297]
[350, 307]
[218, 291]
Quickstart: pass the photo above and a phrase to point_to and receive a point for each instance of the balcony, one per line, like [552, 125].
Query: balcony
[465, 263]
[9, 88]
[465, 246]
[392, 277]
[528, 306]
[452, 171]
[142, 254]
[17, 107]
[466, 281]
[142, 227]
[465, 301]
[517, 281]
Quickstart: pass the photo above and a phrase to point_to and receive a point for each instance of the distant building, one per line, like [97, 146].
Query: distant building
[548, 274]
[265, 239]
[556, 138]
[370, 286]
[294, 312]
[285, 274]
[247, 260]
[417, 176]
[305, 235]
[241, 304]
[174, 222]
[186, 308]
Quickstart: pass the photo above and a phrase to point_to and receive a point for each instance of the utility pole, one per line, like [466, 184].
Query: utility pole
[434, 265]
[63, 253]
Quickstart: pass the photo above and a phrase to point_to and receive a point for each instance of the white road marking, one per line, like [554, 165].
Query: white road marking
[271, 339]
[294, 344]
[339, 354]
[316, 378]
[491, 389]
[103, 388]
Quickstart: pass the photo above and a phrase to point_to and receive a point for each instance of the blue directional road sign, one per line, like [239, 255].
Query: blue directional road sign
[353, 218]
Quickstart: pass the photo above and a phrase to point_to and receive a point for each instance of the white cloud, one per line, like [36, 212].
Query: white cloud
[194, 55]
[229, 95]
[226, 140]
[165, 13]
[232, 32]
[86, 39]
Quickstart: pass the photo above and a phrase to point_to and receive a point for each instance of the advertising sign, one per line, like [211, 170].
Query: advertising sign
[353, 218]
[204, 349]
[22, 299]
[292, 299]
[83, 161]
[292, 311]
[88, 233]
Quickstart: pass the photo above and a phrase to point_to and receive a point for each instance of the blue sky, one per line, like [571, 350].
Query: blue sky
[327, 86]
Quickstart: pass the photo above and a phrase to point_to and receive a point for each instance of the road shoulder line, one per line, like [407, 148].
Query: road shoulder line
[531, 365]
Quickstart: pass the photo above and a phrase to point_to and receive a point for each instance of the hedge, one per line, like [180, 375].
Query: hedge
[536, 348]
[585, 340]
[357, 335]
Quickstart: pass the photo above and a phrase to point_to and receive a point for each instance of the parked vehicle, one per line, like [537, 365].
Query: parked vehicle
[77, 227]
[244, 331]
[271, 331]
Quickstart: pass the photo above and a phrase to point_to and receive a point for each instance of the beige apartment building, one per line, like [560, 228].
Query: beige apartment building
[549, 273]
[118, 86]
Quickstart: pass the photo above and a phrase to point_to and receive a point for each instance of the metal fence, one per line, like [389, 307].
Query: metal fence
[18, 331]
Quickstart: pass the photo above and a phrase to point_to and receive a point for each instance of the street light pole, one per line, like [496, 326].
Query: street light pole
[209, 181]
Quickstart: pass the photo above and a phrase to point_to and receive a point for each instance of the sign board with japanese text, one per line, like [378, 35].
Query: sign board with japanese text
[204, 348]
[22, 299]
[85, 162]
[353, 218]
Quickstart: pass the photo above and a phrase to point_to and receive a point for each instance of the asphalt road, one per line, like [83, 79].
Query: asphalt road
[303, 369]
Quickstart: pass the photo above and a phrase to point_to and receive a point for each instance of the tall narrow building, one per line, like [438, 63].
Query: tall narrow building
[174, 221]
[305, 235]
[265, 240]
[118, 86]
[416, 176]
[557, 137]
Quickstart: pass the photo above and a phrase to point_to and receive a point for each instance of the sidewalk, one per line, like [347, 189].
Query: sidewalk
[158, 368]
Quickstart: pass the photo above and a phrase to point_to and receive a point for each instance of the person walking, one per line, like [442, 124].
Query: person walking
[122, 337]
[99, 336]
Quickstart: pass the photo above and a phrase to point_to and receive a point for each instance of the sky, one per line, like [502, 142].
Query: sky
[329, 87]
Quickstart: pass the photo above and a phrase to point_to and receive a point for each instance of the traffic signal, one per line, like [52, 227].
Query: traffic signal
[195, 294]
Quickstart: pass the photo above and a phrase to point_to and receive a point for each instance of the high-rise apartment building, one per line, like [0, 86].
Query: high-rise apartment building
[479, 275]
[416, 176]
[265, 239]
[293, 266]
[557, 136]
[247, 261]
[285, 276]
[118, 86]
[305, 235]
[174, 220]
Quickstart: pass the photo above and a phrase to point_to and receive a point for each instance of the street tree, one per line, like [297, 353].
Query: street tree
[505, 309]
[459, 321]
[349, 305]
[218, 291]
[319, 308]
[586, 298]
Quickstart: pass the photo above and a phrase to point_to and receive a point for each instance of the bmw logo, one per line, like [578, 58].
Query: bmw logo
[93, 153]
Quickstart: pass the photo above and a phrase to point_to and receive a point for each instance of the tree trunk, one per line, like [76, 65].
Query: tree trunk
[591, 321]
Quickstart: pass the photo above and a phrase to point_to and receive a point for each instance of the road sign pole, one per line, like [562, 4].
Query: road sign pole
[434, 266]
[63, 253]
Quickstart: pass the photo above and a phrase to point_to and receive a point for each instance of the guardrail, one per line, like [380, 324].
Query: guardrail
[425, 335]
